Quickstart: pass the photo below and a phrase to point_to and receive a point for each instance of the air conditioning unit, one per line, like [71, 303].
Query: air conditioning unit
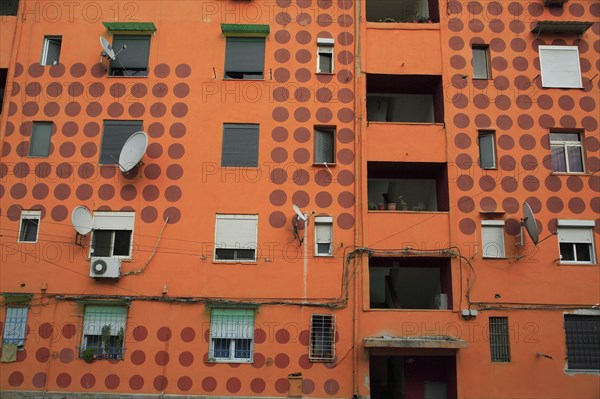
[105, 268]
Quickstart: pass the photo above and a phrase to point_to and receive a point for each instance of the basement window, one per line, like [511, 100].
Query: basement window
[322, 338]
[582, 333]
[104, 331]
[231, 335]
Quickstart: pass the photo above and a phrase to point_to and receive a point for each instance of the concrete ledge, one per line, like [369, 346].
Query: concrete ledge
[415, 342]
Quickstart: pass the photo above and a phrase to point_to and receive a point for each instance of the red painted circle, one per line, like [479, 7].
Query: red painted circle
[112, 381]
[63, 380]
[209, 384]
[186, 359]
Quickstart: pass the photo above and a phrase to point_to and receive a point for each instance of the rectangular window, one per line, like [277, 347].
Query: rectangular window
[236, 238]
[481, 62]
[15, 326]
[114, 137]
[39, 145]
[9, 7]
[324, 145]
[583, 342]
[499, 343]
[322, 338]
[325, 55]
[323, 235]
[104, 331]
[51, 50]
[244, 58]
[3, 79]
[29, 227]
[240, 145]
[560, 66]
[576, 241]
[231, 335]
[112, 234]
[133, 59]
[567, 152]
[487, 149]
[492, 239]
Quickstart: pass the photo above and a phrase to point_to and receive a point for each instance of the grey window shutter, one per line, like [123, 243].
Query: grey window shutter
[486, 151]
[240, 145]
[136, 54]
[245, 54]
[40, 139]
[114, 137]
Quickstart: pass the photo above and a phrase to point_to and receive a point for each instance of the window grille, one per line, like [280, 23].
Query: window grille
[499, 343]
[15, 326]
[322, 338]
[104, 330]
[583, 342]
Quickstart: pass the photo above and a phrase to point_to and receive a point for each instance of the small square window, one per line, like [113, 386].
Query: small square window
[560, 66]
[39, 145]
[323, 236]
[231, 335]
[244, 57]
[567, 152]
[576, 241]
[236, 238]
[240, 145]
[133, 53]
[114, 136]
[29, 227]
[492, 239]
[487, 149]
[325, 55]
[15, 326]
[51, 50]
[104, 331]
[499, 341]
[582, 333]
[481, 62]
[324, 145]
[112, 234]
[322, 338]
[9, 7]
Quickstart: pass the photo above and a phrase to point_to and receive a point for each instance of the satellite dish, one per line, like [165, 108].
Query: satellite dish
[132, 152]
[82, 220]
[107, 48]
[299, 213]
[530, 224]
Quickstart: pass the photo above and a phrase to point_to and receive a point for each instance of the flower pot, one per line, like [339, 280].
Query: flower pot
[391, 206]
[381, 207]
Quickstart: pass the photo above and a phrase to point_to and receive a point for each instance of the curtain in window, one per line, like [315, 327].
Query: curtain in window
[15, 326]
[575, 155]
[558, 159]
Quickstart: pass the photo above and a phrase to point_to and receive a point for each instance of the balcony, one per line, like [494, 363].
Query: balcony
[414, 142]
[418, 11]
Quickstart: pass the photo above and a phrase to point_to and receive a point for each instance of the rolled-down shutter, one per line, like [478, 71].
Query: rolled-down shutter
[135, 56]
[240, 145]
[114, 137]
[245, 54]
[114, 220]
[560, 66]
[98, 316]
[492, 238]
[236, 231]
[232, 323]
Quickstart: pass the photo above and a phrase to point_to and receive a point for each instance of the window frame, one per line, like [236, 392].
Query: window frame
[103, 222]
[253, 245]
[496, 225]
[487, 133]
[565, 145]
[476, 49]
[500, 329]
[224, 323]
[323, 221]
[586, 226]
[119, 352]
[328, 354]
[331, 132]
[45, 47]
[573, 345]
[553, 84]
[29, 215]
[37, 124]
[19, 328]
[139, 72]
[326, 46]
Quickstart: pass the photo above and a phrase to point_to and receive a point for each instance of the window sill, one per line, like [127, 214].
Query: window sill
[408, 310]
[587, 264]
[235, 262]
[324, 164]
[324, 256]
[407, 211]
[571, 173]
[26, 242]
[244, 80]
[230, 361]
[406, 123]
[486, 79]
[325, 73]
[494, 168]
[494, 257]
[127, 77]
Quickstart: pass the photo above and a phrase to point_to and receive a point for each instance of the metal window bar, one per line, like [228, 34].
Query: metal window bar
[322, 338]
[15, 326]
[583, 342]
[499, 342]
[104, 331]
[232, 334]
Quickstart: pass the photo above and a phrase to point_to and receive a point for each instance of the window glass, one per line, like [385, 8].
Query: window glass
[40, 139]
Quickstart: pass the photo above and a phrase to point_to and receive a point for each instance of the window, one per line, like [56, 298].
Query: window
[236, 237]
[15, 326]
[231, 335]
[487, 149]
[323, 235]
[114, 137]
[245, 58]
[240, 145]
[51, 50]
[492, 238]
[9, 7]
[583, 342]
[324, 145]
[133, 59]
[322, 338]
[324, 55]
[499, 343]
[576, 241]
[112, 234]
[481, 62]
[104, 331]
[560, 66]
[3, 79]
[30, 223]
[39, 145]
[567, 152]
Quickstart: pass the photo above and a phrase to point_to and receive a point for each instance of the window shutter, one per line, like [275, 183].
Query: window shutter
[575, 235]
[114, 137]
[114, 220]
[240, 145]
[136, 54]
[232, 323]
[97, 316]
[40, 139]
[236, 231]
[560, 66]
[323, 233]
[486, 151]
[492, 238]
[245, 54]
[15, 325]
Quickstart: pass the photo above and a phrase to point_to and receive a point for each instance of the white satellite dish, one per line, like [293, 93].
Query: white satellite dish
[133, 151]
[82, 220]
[530, 224]
[107, 48]
[299, 213]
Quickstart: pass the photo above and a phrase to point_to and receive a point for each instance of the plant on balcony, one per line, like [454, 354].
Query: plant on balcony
[403, 204]
[372, 206]
[419, 207]
[88, 355]
[381, 206]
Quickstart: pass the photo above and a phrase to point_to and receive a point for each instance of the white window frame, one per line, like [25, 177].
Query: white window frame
[496, 226]
[314, 355]
[565, 146]
[15, 326]
[223, 327]
[113, 221]
[245, 244]
[322, 223]
[325, 46]
[30, 215]
[476, 49]
[485, 133]
[92, 325]
[576, 232]
[549, 78]
[47, 41]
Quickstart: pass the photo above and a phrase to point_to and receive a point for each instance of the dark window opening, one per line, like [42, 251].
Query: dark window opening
[51, 50]
[106, 243]
[410, 283]
[324, 145]
[240, 145]
[481, 62]
[583, 342]
[499, 340]
[29, 230]
[3, 79]
[9, 7]
[487, 149]
[133, 60]
[114, 137]
[244, 58]
[235, 254]
[403, 11]
[39, 145]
